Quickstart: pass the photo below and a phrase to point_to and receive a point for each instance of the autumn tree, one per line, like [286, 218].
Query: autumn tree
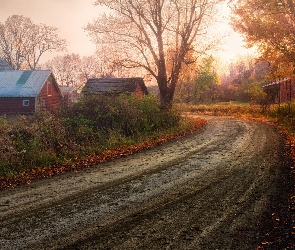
[270, 25]
[244, 80]
[207, 81]
[142, 31]
[22, 43]
[185, 89]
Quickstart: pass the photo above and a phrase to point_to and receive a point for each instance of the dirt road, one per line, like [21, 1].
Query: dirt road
[213, 189]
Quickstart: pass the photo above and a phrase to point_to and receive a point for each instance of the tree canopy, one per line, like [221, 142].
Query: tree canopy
[270, 25]
[149, 33]
[22, 43]
[206, 81]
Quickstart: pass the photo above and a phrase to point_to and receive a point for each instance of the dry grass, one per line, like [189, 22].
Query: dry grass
[225, 109]
[91, 127]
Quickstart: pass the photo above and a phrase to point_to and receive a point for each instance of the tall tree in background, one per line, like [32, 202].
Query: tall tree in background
[142, 31]
[185, 89]
[72, 70]
[206, 82]
[66, 70]
[22, 43]
[270, 25]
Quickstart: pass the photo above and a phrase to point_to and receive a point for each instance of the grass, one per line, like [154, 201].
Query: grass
[90, 128]
[45, 141]
[225, 109]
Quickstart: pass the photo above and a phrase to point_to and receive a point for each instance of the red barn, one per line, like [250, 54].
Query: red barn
[282, 91]
[28, 91]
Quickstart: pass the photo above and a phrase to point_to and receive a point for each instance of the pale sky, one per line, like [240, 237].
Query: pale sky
[232, 44]
[70, 16]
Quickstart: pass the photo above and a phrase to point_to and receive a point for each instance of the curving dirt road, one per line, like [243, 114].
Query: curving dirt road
[213, 189]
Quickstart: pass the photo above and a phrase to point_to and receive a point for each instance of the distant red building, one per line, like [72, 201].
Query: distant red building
[115, 86]
[70, 95]
[282, 91]
[28, 91]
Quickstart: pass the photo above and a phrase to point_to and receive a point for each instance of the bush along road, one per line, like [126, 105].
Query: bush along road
[218, 188]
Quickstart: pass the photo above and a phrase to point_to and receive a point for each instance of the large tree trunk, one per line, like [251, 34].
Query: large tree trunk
[291, 6]
[167, 89]
[166, 100]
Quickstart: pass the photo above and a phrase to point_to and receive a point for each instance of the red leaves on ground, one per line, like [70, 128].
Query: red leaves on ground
[28, 176]
[283, 230]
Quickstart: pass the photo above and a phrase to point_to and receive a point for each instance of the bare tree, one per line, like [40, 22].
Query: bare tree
[66, 69]
[107, 62]
[72, 70]
[22, 43]
[102, 64]
[144, 30]
[89, 67]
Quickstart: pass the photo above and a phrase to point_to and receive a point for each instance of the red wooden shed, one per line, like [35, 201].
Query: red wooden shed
[282, 91]
[28, 91]
[134, 86]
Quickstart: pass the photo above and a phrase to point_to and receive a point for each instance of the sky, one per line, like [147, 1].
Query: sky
[232, 44]
[70, 16]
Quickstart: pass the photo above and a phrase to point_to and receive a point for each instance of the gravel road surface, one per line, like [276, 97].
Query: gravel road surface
[213, 189]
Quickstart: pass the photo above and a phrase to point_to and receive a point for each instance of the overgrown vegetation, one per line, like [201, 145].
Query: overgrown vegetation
[283, 114]
[283, 117]
[226, 109]
[91, 126]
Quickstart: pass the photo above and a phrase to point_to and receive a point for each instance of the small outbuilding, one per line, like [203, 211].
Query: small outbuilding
[4, 65]
[70, 95]
[134, 86]
[28, 91]
[282, 91]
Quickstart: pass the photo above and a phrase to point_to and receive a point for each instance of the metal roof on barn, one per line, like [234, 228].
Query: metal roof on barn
[114, 85]
[22, 83]
[67, 89]
[4, 65]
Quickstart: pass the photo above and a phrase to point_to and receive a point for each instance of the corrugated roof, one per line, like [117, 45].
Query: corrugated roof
[22, 83]
[67, 89]
[115, 85]
[4, 65]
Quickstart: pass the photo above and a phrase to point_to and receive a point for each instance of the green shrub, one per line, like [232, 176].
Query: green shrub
[285, 115]
[283, 110]
[125, 114]
[92, 125]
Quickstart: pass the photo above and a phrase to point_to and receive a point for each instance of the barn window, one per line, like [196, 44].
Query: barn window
[42, 103]
[26, 103]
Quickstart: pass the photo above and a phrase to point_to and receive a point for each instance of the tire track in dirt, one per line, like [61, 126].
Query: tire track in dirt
[210, 190]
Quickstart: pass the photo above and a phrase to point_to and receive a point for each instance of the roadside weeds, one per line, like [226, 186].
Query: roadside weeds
[28, 176]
